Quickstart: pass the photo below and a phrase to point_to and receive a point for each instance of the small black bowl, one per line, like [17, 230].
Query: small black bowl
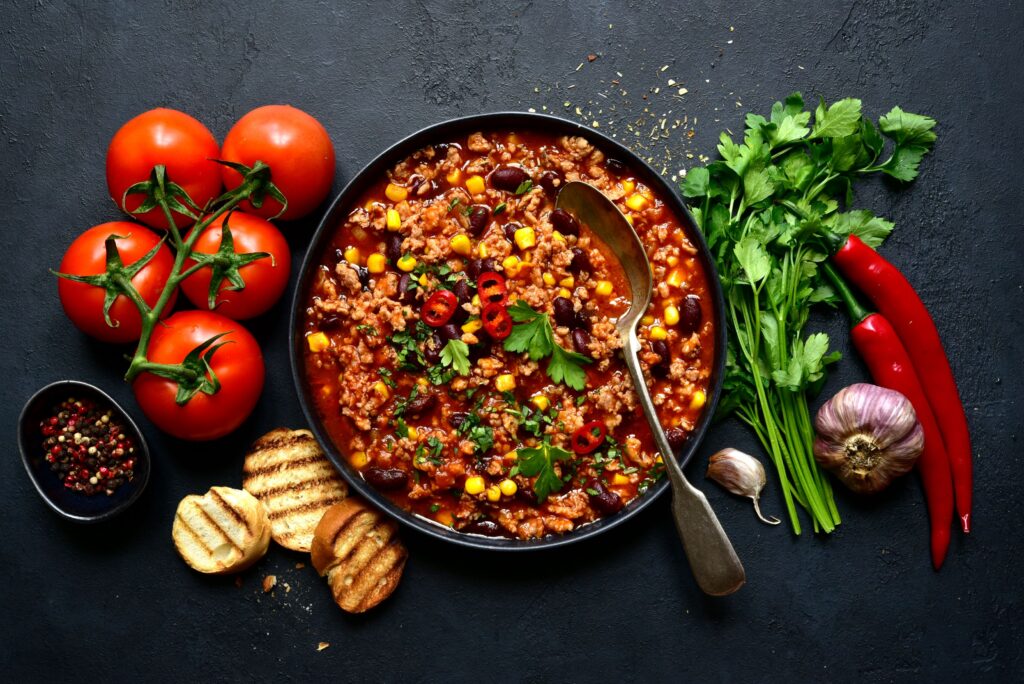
[72, 505]
[370, 174]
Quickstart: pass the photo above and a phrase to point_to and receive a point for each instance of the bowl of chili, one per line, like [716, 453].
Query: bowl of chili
[437, 312]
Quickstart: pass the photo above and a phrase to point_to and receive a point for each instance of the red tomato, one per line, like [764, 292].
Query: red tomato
[171, 138]
[87, 255]
[238, 366]
[297, 149]
[265, 279]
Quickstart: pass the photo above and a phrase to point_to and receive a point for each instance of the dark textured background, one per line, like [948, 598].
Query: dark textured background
[115, 601]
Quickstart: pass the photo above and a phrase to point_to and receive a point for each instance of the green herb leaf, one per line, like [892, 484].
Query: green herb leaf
[456, 355]
[842, 118]
[540, 462]
[524, 187]
[567, 367]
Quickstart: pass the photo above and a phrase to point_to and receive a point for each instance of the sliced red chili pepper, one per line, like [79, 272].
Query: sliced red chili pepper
[492, 288]
[497, 321]
[589, 437]
[439, 308]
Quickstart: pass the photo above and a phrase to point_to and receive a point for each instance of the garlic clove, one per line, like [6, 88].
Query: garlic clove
[740, 474]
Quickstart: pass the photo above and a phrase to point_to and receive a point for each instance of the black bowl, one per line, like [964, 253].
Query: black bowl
[72, 505]
[374, 171]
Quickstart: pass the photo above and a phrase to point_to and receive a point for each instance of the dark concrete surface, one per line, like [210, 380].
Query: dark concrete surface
[114, 602]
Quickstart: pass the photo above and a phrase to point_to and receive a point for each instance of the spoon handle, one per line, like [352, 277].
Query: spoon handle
[714, 562]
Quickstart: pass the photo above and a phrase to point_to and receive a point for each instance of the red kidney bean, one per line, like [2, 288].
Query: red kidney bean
[552, 182]
[660, 347]
[690, 314]
[483, 526]
[423, 402]
[676, 437]
[581, 341]
[615, 166]
[450, 332]
[432, 349]
[386, 478]
[580, 261]
[457, 418]
[406, 295]
[564, 313]
[564, 222]
[474, 267]
[601, 499]
[510, 230]
[508, 178]
[479, 216]
[480, 349]
[393, 246]
[330, 323]
[364, 276]
[462, 291]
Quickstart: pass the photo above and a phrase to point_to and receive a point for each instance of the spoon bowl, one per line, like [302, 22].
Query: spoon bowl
[714, 562]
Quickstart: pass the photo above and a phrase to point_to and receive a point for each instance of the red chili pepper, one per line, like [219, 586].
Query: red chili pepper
[890, 366]
[896, 299]
[497, 321]
[492, 288]
[439, 308]
[589, 437]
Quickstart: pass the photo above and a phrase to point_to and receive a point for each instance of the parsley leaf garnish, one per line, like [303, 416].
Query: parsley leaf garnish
[524, 187]
[533, 335]
[473, 429]
[456, 355]
[540, 462]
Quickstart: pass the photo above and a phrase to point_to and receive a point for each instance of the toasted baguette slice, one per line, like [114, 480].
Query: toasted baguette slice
[287, 471]
[360, 554]
[225, 530]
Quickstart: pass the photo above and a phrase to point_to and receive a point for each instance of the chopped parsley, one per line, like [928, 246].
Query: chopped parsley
[367, 330]
[533, 335]
[456, 354]
[402, 404]
[531, 419]
[385, 376]
[454, 203]
[499, 209]
[401, 429]
[540, 462]
[475, 431]
[524, 187]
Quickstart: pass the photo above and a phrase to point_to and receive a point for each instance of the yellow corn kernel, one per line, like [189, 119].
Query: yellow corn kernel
[358, 459]
[472, 326]
[423, 280]
[422, 382]
[453, 177]
[647, 320]
[512, 265]
[376, 263]
[352, 255]
[505, 382]
[493, 493]
[628, 185]
[620, 479]
[541, 402]
[482, 251]
[658, 333]
[549, 279]
[407, 263]
[555, 235]
[511, 455]
[603, 288]
[474, 485]
[525, 237]
[659, 459]
[394, 220]
[369, 205]
[629, 219]
[445, 518]
[318, 342]
[636, 201]
[476, 301]
[413, 432]
[395, 193]
[508, 487]
[461, 244]
[381, 389]
[568, 281]
[676, 277]
[564, 292]
[672, 260]
[670, 315]
[698, 400]
[475, 185]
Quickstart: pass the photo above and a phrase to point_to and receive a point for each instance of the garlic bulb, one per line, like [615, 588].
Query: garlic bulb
[867, 436]
[741, 474]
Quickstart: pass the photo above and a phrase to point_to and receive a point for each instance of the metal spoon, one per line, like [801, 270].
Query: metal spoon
[715, 566]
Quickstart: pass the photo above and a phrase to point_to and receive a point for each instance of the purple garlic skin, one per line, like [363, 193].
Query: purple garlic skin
[867, 436]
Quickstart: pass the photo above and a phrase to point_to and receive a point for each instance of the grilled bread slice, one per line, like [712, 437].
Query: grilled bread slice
[360, 554]
[225, 530]
[287, 471]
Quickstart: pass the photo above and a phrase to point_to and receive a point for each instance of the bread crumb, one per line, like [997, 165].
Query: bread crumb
[299, 566]
[322, 645]
[591, 57]
[269, 582]
[287, 587]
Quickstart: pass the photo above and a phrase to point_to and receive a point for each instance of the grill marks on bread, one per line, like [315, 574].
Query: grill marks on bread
[360, 554]
[287, 471]
[222, 531]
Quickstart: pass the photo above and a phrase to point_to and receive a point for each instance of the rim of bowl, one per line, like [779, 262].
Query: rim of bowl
[438, 132]
[139, 484]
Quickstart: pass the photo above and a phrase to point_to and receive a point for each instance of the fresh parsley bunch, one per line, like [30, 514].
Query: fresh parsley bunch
[767, 210]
